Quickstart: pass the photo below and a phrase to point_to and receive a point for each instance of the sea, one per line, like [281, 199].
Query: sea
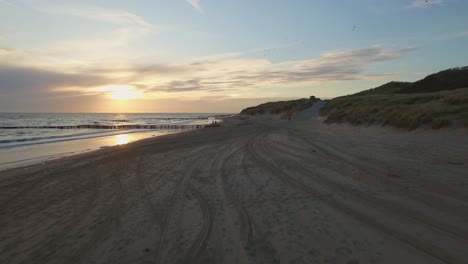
[19, 129]
[27, 139]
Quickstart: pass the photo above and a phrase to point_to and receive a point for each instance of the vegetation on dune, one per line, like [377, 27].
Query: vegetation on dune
[287, 109]
[439, 100]
[437, 109]
[450, 79]
[388, 88]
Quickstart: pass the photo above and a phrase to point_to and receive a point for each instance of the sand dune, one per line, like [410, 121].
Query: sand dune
[257, 190]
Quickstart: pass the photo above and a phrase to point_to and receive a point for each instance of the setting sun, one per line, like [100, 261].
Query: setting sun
[121, 92]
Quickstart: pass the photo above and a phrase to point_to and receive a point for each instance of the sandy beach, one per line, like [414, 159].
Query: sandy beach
[256, 190]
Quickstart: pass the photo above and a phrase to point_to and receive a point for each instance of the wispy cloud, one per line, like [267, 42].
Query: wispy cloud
[7, 3]
[98, 14]
[127, 23]
[119, 29]
[425, 3]
[8, 55]
[196, 4]
[202, 78]
[21, 80]
[453, 35]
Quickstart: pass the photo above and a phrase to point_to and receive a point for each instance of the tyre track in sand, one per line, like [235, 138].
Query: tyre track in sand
[197, 248]
[144, 185]
[263, 155]
[176, 200]
[447, 228]
[111, 219]
[372, 165]
[251, 230]
[246, 227]
[199, 245]
[43, 253]
[38, 175]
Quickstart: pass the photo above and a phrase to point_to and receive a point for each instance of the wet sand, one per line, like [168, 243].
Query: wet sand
[12, 157]
[256, 190]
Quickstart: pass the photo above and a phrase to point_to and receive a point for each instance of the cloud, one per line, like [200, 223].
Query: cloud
[7, 54]
[454, 35]
[110, 16]
[196, 4]
[425, 3]
[125, 27]
[7, 3]
[32, 81]
[113, 38]
[203, 78]
[253, 73]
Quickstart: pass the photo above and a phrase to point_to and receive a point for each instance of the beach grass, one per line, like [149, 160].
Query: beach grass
[408, 111]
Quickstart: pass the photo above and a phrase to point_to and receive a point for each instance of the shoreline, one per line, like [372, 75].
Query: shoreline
[54, 139]
[39, 152]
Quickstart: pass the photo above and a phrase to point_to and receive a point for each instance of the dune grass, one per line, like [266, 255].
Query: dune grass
[287, 109]
[408, 111]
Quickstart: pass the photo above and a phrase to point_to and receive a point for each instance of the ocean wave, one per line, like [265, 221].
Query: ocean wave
[52, 138]
[177, 118]
[118, 120]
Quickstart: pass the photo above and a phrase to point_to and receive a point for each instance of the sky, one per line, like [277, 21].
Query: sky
[216, 55]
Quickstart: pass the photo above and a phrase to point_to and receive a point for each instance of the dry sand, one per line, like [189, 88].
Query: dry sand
[257, 190]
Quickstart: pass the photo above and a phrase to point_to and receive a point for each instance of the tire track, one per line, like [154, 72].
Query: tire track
[111, 221]
[449, 229]
[344, 155]
[352, 210]
[195, 251]
[182, 186]
[199, 245]
[144, 186]
[246, 227]
[41, 254]
[40, 176]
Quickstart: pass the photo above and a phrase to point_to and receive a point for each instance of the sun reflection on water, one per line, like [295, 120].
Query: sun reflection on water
[122, 139]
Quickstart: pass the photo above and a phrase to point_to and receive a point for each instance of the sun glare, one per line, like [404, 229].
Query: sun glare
[122, 92]
[122, 139]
